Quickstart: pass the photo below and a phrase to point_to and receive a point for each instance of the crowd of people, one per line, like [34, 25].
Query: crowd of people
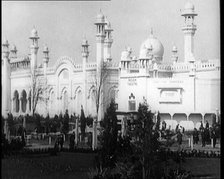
[206, 134]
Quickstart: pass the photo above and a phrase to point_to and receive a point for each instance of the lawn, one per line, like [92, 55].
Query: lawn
[76, 166]
[64, 165]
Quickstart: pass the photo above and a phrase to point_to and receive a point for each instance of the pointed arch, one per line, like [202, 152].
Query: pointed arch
[52, 99]
[90, 91]
[16, 101]
[76, 91]
[64, 96]
[23, 101]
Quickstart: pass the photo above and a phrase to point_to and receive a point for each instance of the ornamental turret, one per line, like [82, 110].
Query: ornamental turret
[33, 49]
[100, 36]
[13, 51]
[174, 56]
[108, 41]
[45, 59]
[6, 83]
[189, 29]
[85, 54]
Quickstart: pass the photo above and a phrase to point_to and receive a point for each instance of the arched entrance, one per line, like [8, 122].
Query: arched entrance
[180, 117]
[16, 102]
[24, 101]
[65, 101]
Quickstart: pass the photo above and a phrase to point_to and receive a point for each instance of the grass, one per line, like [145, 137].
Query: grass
[76, 166]
[65, 165]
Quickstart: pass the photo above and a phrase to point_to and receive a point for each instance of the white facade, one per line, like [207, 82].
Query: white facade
[180, 91]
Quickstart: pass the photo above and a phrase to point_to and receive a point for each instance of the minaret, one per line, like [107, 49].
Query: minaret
[6, 82]
[45, 65]
[108, 42]
[174, 56]
[100, 36]
[85, 54]
[45, 59]
[189, 29]
[33, 49]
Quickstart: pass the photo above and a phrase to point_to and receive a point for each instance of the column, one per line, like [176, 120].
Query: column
[20, 105]
[203, 118]
[12, 106]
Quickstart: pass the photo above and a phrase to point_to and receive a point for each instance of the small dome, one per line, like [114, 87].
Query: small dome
[155, 66]
[189, 6]
[125, 55]
[108, 25]
[153, 44]
[129, 49]
[84, 42]
[174, 49]
[100, 18]
[34, 33]
[13, 48]
[5, 42]
[45, 49]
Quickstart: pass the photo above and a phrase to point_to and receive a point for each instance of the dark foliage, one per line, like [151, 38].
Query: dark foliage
[83, 123]
[109, 137]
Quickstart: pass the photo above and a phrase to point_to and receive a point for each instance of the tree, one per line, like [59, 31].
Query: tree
[109, 136]
[158, 121]
[38, 91]
[99, 80]
[146, 140]
[65, 127]
[83, 123]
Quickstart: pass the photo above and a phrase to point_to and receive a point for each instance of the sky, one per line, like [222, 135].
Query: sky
[62, 24]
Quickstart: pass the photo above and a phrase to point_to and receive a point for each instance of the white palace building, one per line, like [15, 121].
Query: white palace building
[183, 92]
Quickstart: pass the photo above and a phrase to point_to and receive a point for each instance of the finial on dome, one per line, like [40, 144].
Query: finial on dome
[13, 48]
[34, 34]
[84, 40]
[174, 49]
[46, 50]
[5, 42]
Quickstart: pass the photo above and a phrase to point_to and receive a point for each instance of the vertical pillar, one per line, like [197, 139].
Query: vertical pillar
[20, 105]
[76, 131]
[94, 144]
[203, 118]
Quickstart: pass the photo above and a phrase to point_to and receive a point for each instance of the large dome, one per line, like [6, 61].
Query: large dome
[151, 46]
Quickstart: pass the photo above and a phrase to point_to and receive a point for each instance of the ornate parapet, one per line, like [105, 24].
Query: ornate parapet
[112, 65]
[208, 65]
[20, 63]
[165, 67]
[181, 67]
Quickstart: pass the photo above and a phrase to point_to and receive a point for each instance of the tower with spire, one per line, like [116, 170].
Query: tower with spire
[33, 49]
[100, 37]
[108, 41]
[188, 29]
[6, 82]
[85, 55]
[45, 59]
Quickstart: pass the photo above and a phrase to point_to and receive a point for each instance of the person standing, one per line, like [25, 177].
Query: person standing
[179, 139]
[72, 141]
[214, 137]
[177, 128]
[201, 126]
[195, 136]
[207, 125]
[203, 137]
[61, 141]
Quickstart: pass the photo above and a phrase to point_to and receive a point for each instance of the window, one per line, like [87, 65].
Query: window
[132, 103]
